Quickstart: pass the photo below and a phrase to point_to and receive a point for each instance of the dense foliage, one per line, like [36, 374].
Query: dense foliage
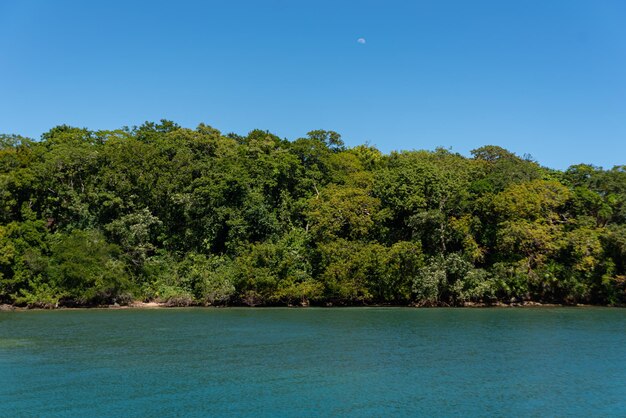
[160, 212]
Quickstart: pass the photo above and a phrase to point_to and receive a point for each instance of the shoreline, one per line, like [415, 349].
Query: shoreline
[137, 305]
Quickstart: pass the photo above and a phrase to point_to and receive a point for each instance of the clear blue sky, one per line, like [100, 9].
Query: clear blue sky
[546, 78]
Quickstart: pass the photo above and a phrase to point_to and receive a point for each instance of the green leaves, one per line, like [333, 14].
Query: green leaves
[342, 212]
[191, 216]
[277, 271]
[87, 267]
[536, 200]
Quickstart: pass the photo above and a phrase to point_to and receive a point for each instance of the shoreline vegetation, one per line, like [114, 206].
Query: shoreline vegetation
[171, 216]
[138, 305]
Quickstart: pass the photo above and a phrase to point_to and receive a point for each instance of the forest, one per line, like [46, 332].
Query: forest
[187, 217]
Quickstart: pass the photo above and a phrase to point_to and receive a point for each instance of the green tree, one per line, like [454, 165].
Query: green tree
[86, 268]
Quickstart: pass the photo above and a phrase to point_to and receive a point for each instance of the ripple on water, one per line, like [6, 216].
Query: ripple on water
[359, 362]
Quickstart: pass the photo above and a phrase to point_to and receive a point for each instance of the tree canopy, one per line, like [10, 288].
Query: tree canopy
[192, 216]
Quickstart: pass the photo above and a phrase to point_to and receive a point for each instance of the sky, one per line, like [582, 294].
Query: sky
[545, 78]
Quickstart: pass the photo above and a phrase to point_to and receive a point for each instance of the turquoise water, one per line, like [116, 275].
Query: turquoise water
[312, 362]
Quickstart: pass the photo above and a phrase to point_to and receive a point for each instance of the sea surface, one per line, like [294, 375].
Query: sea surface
[314, 362]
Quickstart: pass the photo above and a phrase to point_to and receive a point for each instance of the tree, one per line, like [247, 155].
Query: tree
[86, 268]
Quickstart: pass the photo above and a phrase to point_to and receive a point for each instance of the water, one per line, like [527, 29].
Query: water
[312, 362]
